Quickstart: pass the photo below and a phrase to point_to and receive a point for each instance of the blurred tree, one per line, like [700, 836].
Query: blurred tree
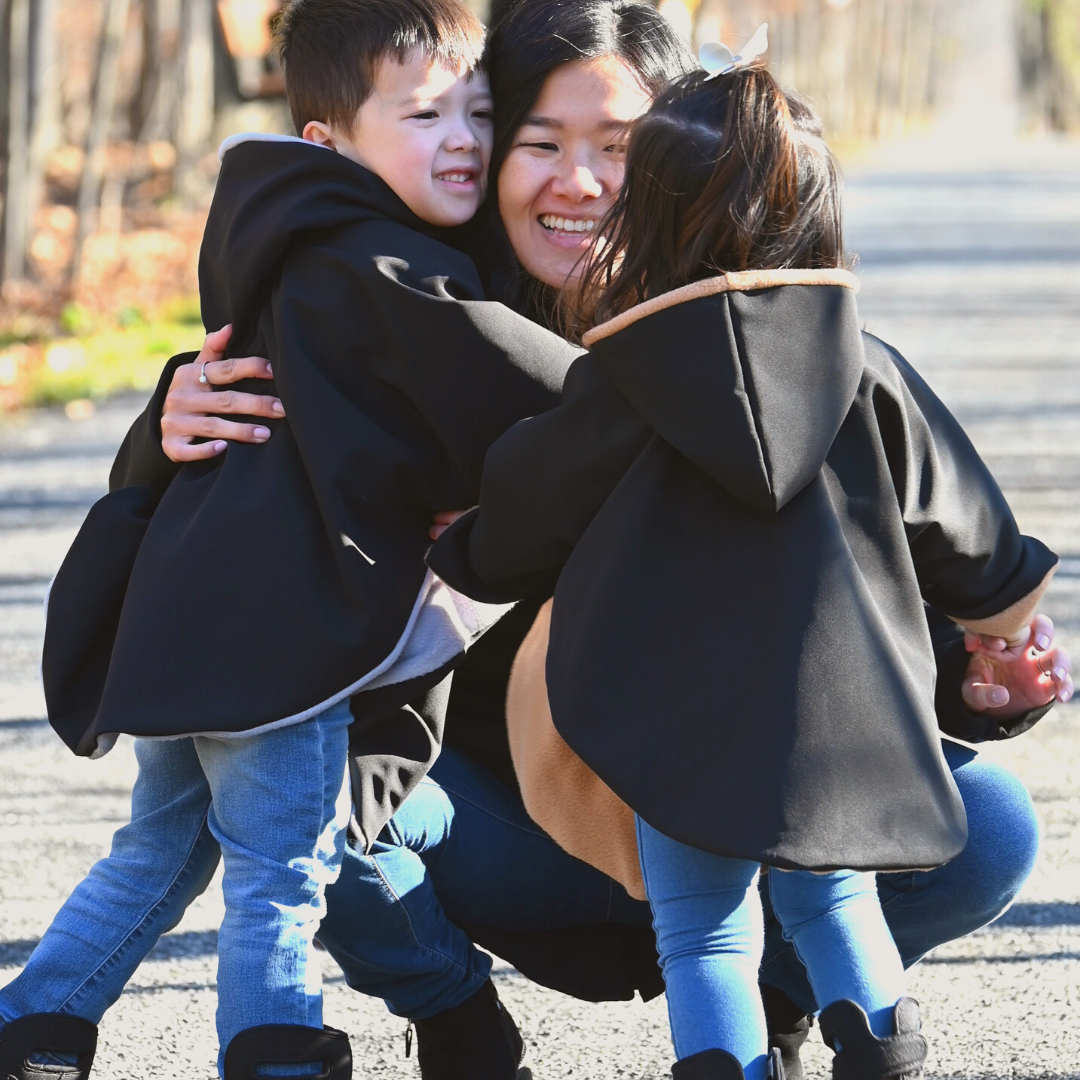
[195, 112]
[1049, 33]
[101, 117]
[16, 226]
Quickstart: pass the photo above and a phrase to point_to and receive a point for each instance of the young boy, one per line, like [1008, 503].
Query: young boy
[322, 253]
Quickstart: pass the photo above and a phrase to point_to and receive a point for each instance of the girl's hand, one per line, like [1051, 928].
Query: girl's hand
[443, 520]
[1010, 681]
[190, 404]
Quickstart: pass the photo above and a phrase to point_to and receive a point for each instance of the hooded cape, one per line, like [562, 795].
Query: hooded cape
[263, 585]
[745, 502]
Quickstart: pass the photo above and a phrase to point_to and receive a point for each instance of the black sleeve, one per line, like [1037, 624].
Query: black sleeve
[443, 370]
[543, 483]
[953, 716]
[140, 461]
[971, 559]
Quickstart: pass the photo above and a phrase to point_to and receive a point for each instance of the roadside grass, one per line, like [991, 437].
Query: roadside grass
[87, 356]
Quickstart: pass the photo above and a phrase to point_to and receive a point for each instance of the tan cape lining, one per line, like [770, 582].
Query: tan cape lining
[740, 281]
[1015, 617]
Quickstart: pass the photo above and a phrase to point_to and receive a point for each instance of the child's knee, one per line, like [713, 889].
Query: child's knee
[799, 897]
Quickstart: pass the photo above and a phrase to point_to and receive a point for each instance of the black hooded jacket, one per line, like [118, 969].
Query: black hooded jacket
[745, 502]
[302, 560]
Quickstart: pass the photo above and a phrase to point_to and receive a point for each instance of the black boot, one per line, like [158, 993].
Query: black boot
[289, 1044]
[720, 1065]
[476, 1040]
[860, 1055]
[789, 1027]
[41, 1036]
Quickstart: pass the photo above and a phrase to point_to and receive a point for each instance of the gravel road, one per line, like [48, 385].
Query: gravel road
[975, 276]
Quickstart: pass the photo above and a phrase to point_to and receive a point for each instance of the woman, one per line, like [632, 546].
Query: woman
[567, 76]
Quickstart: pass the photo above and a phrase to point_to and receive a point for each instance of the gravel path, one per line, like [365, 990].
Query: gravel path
[975, 276]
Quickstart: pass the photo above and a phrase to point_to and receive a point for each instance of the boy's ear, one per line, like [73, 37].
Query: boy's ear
[319, 133]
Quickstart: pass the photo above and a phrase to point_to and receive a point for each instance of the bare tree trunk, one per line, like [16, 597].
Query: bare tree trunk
[16, 227]
[45, 105]
[142, 102]
[112, 39]
[195, 122]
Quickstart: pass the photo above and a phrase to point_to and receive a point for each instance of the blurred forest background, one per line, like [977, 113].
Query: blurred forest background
[111, 112]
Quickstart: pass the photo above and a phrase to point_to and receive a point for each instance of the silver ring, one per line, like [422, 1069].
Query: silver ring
[1049, 665]
[202, 373]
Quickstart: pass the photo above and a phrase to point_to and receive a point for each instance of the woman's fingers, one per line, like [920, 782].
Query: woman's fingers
[1056, 663]
[198, 403]
[222, 372]
[194, 407]
[1042, 632]
[182, 451]
[443, 520]
[980, 696]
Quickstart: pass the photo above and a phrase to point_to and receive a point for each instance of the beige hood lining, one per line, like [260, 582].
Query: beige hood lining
[740, 281]
[1015, 617]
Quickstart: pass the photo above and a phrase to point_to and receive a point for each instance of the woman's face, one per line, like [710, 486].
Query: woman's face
[565, 166]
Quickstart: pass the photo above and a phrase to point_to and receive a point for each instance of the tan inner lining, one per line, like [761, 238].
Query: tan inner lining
[741, 281]
[1015, 617]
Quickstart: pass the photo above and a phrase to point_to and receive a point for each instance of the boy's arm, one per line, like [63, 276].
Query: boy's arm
[543, 483]
[971, 559]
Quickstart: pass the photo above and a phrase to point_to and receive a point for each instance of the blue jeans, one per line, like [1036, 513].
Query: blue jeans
[275, 806]
[462, 848]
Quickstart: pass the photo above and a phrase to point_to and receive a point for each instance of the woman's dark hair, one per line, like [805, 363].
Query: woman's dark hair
[722, 174]
[528, 40]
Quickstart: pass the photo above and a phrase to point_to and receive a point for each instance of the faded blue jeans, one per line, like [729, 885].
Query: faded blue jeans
[462, 848]
[275, 806]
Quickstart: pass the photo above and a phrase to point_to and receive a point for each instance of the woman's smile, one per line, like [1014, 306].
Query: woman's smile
[568, 233]
[566, 165]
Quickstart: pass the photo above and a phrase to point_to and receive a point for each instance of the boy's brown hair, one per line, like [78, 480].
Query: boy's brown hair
[331, 49]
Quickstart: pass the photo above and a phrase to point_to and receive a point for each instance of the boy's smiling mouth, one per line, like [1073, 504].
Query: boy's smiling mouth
[459, 178]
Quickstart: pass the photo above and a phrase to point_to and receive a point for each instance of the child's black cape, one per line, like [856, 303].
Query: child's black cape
[746, 502]
[277, 578]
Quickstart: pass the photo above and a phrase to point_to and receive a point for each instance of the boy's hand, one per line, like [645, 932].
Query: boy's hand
[190, 403]
[443, 520]
[1010, 681]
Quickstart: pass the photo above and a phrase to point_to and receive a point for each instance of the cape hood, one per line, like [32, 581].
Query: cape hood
[748, 380]
[270, 189]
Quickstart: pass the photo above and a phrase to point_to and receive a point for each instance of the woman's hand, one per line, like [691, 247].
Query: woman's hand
[443, 520]
[1009, 682]
[190, 404]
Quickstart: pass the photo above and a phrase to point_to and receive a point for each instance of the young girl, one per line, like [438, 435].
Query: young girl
[736, 471]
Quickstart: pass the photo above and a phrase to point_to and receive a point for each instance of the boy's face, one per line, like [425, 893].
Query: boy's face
[426, 130]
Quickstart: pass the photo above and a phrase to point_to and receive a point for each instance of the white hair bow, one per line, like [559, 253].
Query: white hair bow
[717, 59]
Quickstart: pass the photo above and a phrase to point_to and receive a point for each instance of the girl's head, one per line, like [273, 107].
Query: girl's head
[722, 174]
[567, 76]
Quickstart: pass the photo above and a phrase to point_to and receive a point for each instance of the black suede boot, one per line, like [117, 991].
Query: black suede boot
[860, 1055]
[476, 1040]
[289, 1044]
[26, 1041]
[720, 1065]
[789, 1027]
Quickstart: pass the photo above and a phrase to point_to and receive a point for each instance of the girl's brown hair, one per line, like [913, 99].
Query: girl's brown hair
[722, 174]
